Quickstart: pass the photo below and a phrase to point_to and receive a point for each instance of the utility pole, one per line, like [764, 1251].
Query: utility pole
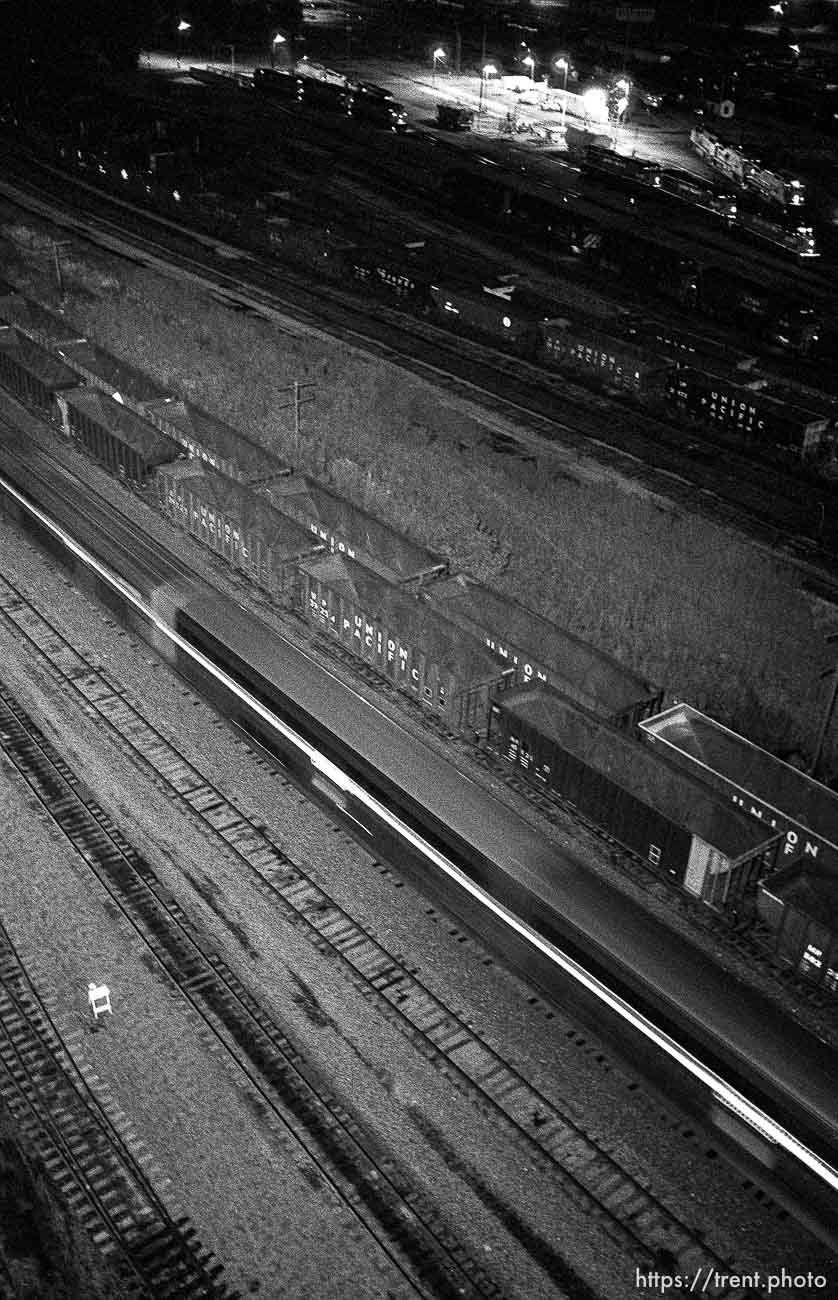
[57, 245]
[299, 399]
[829, 710]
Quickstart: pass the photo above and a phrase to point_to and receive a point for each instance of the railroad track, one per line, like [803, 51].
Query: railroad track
[81, 1153]
[380, 1195]
[629, 1212]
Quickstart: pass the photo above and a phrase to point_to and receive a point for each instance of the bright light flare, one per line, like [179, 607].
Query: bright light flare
[595, 103]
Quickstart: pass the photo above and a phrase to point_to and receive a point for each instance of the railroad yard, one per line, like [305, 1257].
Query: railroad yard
[186, 1107]
[314, 1077]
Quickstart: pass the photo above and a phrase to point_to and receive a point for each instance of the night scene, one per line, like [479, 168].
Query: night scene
[419, 650]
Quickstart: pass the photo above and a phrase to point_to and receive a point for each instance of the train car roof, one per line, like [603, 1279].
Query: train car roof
[122, 423]
[36, 321]
[113, 372]
[44, 365]
[693, 737]
[580, 670]
[383, 548]
[212, 435]
[634, 767]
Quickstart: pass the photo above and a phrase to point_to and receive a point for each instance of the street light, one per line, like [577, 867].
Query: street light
[279, 39]
[182, 28]
[529, 62]
[439, 57]
[563, 66]
[488, 70]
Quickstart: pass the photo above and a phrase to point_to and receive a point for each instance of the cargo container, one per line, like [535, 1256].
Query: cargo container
[403, 638]
[116, 436]
[674, 822]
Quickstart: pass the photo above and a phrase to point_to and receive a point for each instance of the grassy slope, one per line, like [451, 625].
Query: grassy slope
[42, 1252]
[684, 601]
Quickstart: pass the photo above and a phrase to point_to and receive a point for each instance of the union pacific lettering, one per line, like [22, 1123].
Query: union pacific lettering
[333, 543]
[530, 672]
[797, 845]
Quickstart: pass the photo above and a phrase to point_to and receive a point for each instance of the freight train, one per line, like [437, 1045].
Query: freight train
[529, 897]
[365, 104]
[740, 211]
[542, 331]
[568, 224]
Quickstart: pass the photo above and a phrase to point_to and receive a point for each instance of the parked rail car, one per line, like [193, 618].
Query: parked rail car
[618, 364]
[748, 412]
[684, 345]
[557, 224]
[753, 779]
[368, 106]
[662, 369]
[31, 373]
[683, 829]
[390, 274]
[795, 238]
[779, 320]
[634, 259]
[605, 162]
[699, 194]
[272, 83]
[376, 111]
[497, 312]
[114, 435]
